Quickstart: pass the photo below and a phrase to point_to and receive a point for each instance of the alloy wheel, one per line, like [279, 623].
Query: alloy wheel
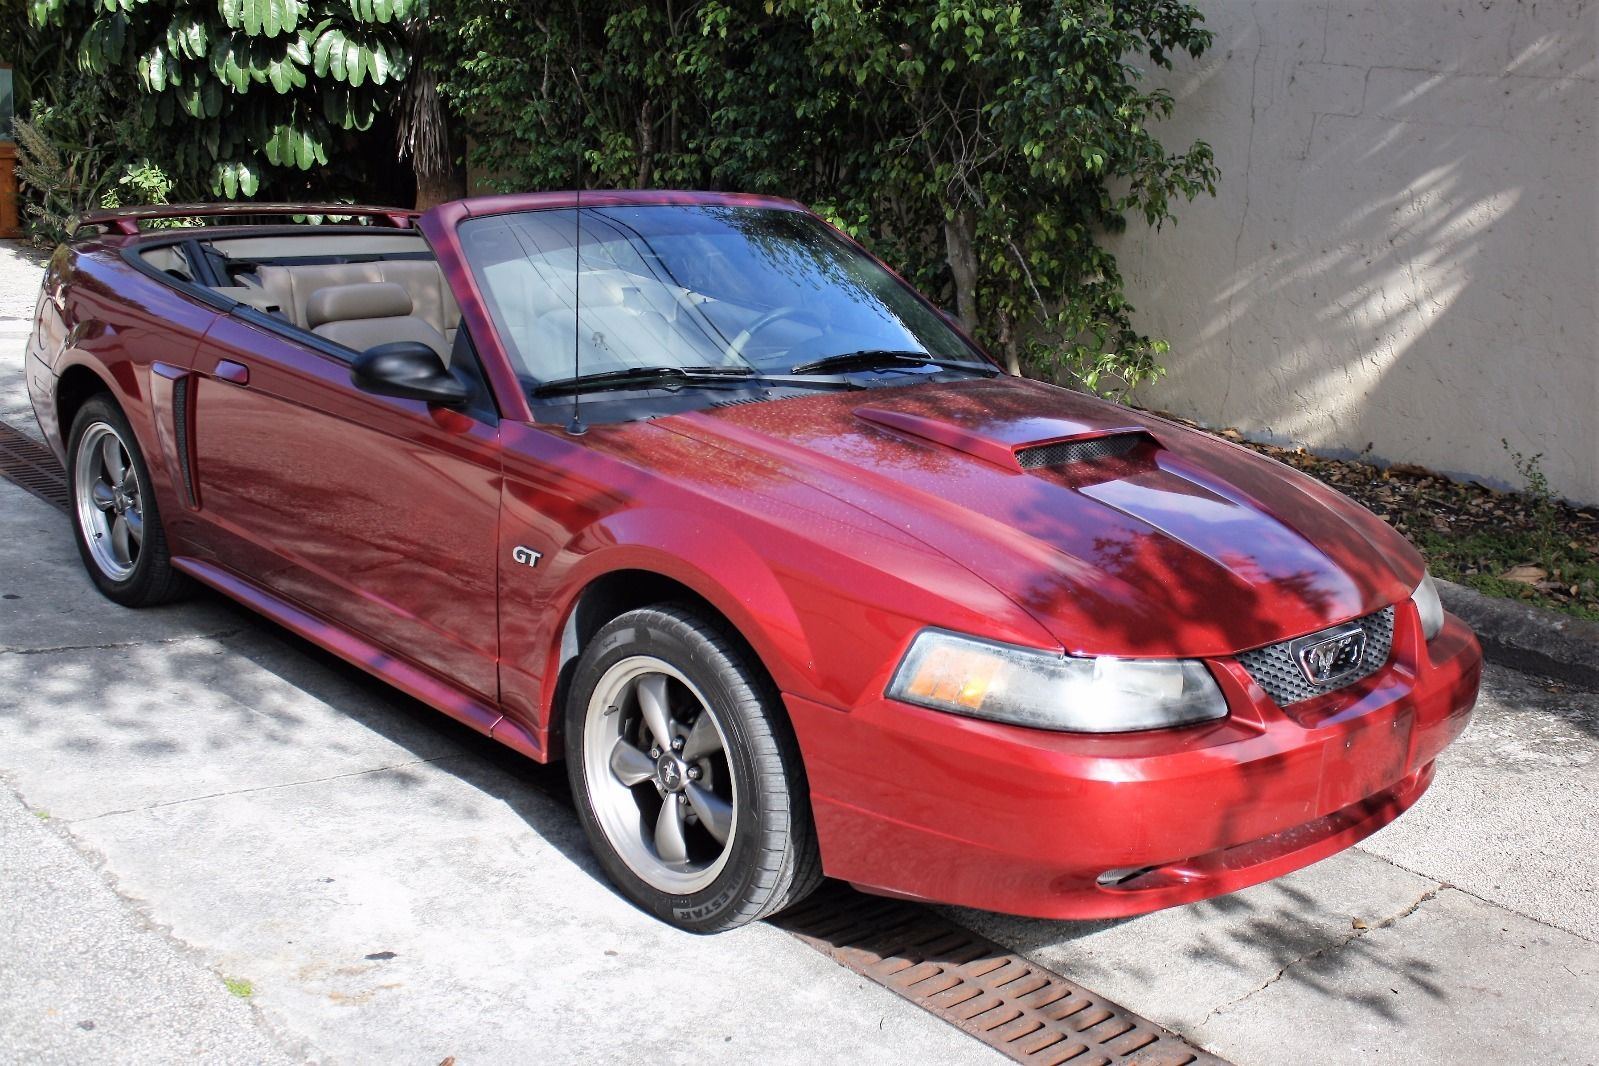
[110, 501]
[656, 762]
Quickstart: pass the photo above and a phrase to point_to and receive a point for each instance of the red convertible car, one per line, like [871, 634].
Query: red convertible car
[691, 490]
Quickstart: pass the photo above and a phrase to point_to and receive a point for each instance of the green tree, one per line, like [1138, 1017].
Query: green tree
[235, 93]
[985, 148]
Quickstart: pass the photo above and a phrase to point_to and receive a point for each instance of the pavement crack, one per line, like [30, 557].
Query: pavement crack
[1497, 904]
[1326, 951]
[267, 788]
[116, 645]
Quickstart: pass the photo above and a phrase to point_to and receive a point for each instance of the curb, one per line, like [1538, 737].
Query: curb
[1527, 638]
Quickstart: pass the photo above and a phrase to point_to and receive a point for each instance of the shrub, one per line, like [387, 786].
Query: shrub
[984, 147]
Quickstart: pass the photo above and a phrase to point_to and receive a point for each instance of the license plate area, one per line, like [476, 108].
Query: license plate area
[1365, 758]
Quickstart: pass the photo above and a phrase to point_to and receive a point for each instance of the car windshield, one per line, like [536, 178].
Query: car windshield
[702, 286]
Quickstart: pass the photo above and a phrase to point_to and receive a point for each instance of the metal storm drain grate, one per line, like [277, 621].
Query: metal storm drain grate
[26, 462]
[1030, 1014]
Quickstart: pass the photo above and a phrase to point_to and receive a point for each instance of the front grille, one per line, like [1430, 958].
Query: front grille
[1275, 670]
[1066, 452]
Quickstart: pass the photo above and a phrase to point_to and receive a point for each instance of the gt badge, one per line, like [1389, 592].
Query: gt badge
[526, 556]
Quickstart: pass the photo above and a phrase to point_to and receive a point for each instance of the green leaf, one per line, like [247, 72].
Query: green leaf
[322, 52]
[211, 100]
[377, 64]
[153, 70]
[354, 63]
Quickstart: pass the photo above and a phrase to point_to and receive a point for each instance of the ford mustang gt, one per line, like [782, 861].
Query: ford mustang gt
[689, 490]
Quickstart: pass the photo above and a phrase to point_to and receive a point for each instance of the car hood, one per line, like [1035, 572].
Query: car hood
[1135, 536]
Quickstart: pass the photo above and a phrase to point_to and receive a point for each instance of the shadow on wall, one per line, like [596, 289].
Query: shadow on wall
[1402, 254]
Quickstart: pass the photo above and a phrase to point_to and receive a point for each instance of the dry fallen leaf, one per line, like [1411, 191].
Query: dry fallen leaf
[1359, 923]
[1525, 574]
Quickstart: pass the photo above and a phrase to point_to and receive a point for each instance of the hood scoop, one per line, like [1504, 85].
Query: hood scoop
[1085, 449]
[1031, 444]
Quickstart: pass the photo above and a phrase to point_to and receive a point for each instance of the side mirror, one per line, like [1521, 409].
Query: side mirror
[409, 370]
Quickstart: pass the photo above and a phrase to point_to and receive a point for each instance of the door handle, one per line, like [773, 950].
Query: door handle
[228, 370]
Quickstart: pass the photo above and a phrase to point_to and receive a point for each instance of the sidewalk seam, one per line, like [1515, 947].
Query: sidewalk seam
[265, 788]
[292, 1044]
[1482, 899]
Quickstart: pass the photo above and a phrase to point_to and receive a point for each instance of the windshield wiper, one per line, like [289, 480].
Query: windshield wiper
[672, 377]
[644, 376]
[870, 358]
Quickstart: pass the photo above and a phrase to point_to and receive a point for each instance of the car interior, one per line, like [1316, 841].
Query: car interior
[362, 289]
[685, 298]
[355, 289]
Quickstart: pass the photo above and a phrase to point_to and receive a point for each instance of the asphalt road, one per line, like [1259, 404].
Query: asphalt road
[218, 844]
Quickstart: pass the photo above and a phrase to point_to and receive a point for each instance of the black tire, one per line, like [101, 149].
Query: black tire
[152, 580]
[771, 859]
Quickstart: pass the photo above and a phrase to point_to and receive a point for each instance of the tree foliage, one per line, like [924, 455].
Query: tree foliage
[985, 147]
[81, 152]
[229, 93]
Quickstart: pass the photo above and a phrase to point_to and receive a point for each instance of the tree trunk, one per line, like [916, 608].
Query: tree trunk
[646, 144]
[1008, 345]
[434, 187]
[958, 238]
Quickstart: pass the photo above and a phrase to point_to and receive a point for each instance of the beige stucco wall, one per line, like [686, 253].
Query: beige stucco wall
[1402, 252]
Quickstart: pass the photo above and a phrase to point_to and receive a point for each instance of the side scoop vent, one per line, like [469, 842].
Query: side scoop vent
[1068, 452]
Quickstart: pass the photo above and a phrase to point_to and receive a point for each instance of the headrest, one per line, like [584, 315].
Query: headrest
[367, 299]
[602, 288]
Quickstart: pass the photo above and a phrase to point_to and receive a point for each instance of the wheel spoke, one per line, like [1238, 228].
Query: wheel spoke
[135, 523]
[111, 456]
[669, 842]
[121, 544]
[652, 704]
[702, 739]
[716, 814]
[631, 766]
[104, 495]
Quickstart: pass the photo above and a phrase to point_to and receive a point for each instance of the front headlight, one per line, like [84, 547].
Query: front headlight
[984, 679]
[1428, 606]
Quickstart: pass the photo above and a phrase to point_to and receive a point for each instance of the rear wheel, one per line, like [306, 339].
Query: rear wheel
[686, 775]
[114, 512]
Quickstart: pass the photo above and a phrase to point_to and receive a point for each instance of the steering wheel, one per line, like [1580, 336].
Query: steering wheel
[776, 314]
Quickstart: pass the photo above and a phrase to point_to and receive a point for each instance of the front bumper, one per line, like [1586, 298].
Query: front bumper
[916, 803]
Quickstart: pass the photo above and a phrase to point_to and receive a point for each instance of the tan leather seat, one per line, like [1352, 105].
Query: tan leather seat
[431, 298]
[365, 315]
[290, 288]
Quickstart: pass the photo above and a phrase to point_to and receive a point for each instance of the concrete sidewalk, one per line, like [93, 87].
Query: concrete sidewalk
[199, 798]
[393, 887]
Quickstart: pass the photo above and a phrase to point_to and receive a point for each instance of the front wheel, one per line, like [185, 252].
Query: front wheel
[687, 777]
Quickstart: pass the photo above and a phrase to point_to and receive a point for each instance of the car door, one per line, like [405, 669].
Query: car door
[377, 513]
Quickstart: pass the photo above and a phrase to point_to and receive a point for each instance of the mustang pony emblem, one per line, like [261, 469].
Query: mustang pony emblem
[1331, 655]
